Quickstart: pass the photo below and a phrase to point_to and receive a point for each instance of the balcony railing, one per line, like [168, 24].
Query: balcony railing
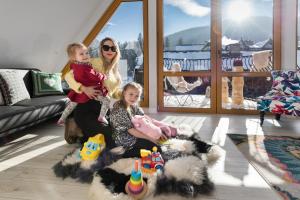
[204, 64]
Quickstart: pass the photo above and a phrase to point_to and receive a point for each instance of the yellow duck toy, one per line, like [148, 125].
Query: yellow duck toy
[93, 147]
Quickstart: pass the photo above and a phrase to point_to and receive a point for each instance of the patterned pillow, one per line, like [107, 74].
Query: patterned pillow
[46, 83]
[13, 87]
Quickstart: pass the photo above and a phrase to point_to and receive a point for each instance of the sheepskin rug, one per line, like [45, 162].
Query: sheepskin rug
[184, 175]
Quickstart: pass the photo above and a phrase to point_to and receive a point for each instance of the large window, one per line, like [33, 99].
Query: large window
[130, 42]
[247, 47]
[187, 34]
[186, 49]
[223, 48]
[247, 34]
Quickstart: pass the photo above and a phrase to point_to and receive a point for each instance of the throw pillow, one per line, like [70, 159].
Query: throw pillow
[13, 87]
[46, 83]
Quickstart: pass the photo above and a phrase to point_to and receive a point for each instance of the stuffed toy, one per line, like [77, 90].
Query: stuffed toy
[237, 84]
[168, 130]
[144, 125]
[152, 127]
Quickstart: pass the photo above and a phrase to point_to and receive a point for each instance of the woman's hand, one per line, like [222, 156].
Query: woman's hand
[90, 91]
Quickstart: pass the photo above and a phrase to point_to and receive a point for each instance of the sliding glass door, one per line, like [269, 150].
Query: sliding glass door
[187, 63]
[216, 56]
[248, 46]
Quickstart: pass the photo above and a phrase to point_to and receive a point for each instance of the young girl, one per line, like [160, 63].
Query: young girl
[85, 74]
[124, 132]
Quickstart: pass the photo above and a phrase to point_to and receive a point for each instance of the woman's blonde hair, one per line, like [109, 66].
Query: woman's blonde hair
[131, 85]
[114, 65]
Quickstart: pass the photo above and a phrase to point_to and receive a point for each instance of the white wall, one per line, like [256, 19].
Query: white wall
[288, 34]
[35, 33]
[152, 57]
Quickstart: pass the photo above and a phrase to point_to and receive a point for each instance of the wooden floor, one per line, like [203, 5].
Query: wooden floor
[25, 163]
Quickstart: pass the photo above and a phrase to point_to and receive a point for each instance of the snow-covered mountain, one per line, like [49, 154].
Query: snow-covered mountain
[256, 29]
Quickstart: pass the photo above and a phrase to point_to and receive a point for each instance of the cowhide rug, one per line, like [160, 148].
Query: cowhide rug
[184, 174]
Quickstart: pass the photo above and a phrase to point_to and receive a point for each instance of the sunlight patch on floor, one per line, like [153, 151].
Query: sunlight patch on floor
[27, 142]
[273, 122]
[219, 135]
[26, 156]
[221, 177]
[194, 122]
[253, 127]
[253, 179]
[25, 137]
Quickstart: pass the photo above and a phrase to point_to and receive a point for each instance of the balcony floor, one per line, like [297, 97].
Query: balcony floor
[201, 101]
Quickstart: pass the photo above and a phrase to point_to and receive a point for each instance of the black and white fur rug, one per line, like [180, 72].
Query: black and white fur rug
[184, 175]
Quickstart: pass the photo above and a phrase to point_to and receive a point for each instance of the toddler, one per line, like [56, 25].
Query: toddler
[85, 74]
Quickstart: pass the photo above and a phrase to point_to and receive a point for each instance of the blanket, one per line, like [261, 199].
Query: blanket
[184, 174]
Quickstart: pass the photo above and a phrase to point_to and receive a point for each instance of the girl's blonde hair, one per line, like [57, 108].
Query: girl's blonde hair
[131, 85]
[114, 65]
[71, 49]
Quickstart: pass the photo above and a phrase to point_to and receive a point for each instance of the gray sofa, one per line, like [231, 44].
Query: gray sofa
[29, 112]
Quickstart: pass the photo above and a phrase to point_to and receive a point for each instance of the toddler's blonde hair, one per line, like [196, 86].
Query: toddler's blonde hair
[71, 49]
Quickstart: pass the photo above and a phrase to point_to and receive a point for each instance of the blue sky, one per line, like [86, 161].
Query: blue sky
[178, 16]
[127, 22]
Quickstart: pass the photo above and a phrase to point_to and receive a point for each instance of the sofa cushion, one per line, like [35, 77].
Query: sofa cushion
[46, 106]
[38, 102]
[13, 87]
[6, 111]
[46, 83]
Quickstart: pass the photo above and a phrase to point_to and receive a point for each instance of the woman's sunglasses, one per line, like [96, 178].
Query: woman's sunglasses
[106, 48]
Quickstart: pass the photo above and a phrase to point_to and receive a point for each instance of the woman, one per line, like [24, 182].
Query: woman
[86, 114]
[179, 83]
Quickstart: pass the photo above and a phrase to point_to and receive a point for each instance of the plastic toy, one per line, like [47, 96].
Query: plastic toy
[136, 187]
[151, 161]
[93, 147]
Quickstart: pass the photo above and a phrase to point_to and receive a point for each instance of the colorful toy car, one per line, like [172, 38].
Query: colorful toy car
[151, 161]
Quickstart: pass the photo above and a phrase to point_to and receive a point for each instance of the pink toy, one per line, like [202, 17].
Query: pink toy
[170, 131]
[144, 125]
[152, 127]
